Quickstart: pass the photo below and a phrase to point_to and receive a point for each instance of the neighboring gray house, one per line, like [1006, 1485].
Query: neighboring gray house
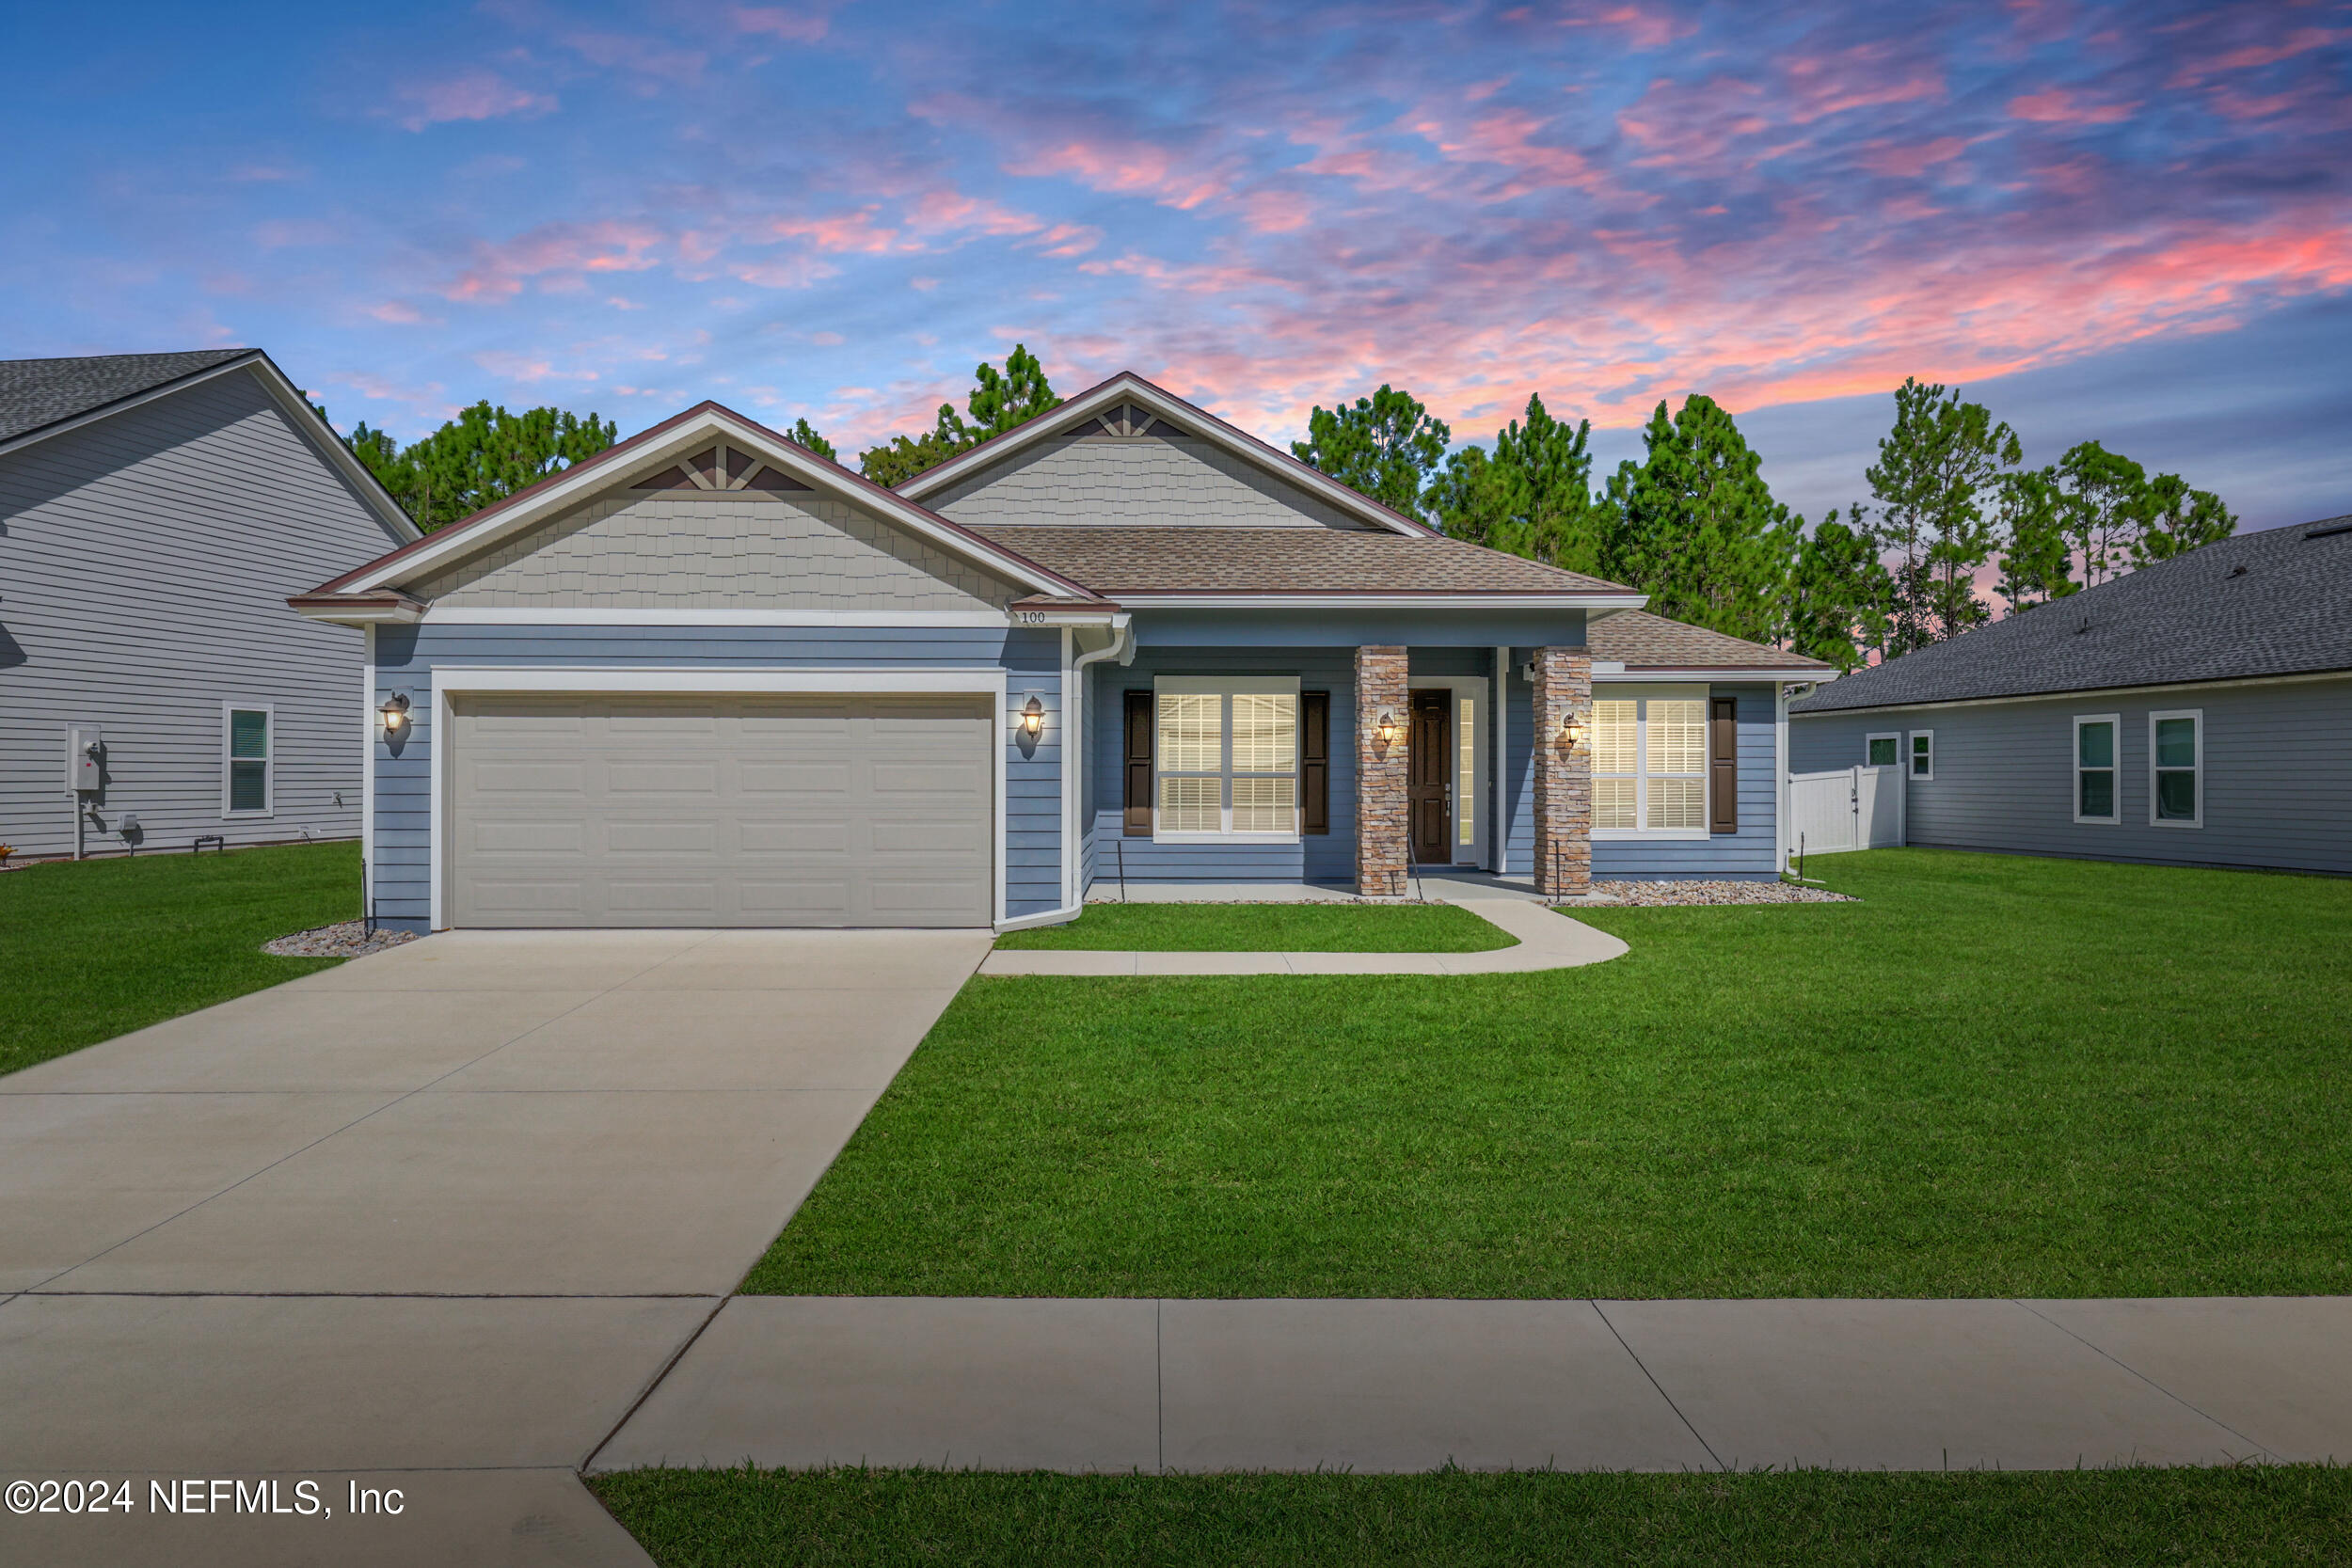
[708, 679]
[2195, 712]
[155, 512]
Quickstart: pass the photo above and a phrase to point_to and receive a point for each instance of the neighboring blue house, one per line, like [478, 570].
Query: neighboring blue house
[708, 679]
[2195, 712]
[155, 692]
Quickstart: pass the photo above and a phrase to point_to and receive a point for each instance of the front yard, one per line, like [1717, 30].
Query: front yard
[1991, 1076]
[95, 950]
[1268, 929]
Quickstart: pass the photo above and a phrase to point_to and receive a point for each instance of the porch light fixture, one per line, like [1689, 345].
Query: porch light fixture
[1032, 716]
[1388, 728]
[395, 713]
[1571, 731]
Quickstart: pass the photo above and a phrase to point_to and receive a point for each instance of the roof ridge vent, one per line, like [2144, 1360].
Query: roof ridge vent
[2321, 531]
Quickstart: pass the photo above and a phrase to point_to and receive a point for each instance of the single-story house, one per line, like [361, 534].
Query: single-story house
[2195, 712]
[710, 678]
[155, 512]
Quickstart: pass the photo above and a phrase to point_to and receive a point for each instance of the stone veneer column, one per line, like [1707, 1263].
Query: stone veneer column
[1380, 777]
[1564, 776]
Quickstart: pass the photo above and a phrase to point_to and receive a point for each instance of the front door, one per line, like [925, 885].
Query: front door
[1429, 757]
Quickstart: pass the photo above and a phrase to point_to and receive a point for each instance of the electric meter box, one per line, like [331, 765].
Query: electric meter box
[85, 757]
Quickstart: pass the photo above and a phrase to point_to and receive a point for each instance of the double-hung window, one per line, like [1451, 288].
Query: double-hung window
[2097, 797]
[1226, 755]
[1923, 754]
[2176, 769]
[1649, 762]
[246, 761]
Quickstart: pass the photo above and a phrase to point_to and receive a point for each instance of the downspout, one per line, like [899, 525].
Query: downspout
[1500, 819]
[1780, 778]
[1121, 646]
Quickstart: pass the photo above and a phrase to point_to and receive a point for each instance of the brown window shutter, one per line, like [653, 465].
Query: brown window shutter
[1138, 765]
[1314, 761]
[1722, 765]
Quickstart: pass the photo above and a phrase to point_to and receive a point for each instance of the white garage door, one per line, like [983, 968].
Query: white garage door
[610, 810]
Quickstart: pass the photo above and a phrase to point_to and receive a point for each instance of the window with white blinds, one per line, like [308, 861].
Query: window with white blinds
[1649, 763]
[1225, 757]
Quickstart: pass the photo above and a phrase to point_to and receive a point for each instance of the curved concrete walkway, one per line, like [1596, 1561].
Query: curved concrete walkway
[1547, 939]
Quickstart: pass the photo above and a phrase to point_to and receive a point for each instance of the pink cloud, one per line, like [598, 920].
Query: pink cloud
[848, 232]
[558, 252]
[1909, 163]
[468, 95]
[397, 311]
[2252, 56]
[2063, 106]
[1643, 28]
[775, 21]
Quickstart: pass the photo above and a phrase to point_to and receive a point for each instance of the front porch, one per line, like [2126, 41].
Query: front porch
[1364, 771]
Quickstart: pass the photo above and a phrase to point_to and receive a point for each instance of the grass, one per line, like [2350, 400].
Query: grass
[1269, 928]
[1995, 1076]
[836, 1518]
[97, 949]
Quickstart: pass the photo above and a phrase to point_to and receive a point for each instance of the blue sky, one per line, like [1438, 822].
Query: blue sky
[2124, 222]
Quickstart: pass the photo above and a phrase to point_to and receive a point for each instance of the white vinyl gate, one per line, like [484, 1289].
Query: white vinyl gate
[1855, 808]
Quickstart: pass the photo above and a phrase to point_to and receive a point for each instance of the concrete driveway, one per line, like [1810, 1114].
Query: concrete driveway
[446, 1211]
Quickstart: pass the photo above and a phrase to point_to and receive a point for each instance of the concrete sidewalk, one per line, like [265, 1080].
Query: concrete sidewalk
[1406, 1385]
[1547, 939]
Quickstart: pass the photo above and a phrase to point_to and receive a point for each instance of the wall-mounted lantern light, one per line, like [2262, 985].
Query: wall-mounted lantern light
[1387, 728]
[1571, 731]
[394, 713]
[1032, 716]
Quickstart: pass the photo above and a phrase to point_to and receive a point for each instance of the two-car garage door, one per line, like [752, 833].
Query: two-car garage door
[756, 810]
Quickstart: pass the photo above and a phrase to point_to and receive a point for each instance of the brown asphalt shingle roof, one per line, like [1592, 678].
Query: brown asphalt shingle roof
[1639, 640]
[1116, 561]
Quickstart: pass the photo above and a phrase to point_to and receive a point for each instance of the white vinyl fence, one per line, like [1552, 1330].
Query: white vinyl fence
[1855, 808]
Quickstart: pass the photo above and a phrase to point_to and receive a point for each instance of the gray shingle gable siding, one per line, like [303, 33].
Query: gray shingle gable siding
[1145, 481]
[145, 560]
[737, 549]
[35, 393]
[2274, 603]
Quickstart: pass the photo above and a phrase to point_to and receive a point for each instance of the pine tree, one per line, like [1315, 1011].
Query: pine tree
[1532, 496]
[2036, 564]
[1696, 527]
[804, 435]
[2103, 509]
[1933, 468]
[1385, 446]
[483, 456]
[2180, 519]
[999, 401]
[1839, 593]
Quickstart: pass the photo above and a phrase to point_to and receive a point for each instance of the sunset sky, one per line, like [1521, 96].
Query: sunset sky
[2128, 222]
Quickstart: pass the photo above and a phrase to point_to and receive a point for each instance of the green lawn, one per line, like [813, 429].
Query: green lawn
[1269, 928]
[97, 949]
[1994, 1076]
[2078, 1518]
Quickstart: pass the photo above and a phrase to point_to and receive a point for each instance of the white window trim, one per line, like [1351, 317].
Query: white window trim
[2198, 715]
[269, 761]
[1618, 692]
[1895, 736]
[2076, 768]
[1910, 741]
[1223, 686]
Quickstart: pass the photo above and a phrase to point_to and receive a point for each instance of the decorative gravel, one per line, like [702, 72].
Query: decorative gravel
[1660, 894]
[348, 939]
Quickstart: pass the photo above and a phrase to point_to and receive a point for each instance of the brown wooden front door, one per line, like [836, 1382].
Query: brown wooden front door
[1428, 759]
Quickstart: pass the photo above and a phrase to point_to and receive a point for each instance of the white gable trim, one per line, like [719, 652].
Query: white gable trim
[578, 483]
[284, 393]
[1127, 386]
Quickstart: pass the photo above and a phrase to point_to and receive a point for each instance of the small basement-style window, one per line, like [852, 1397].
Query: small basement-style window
[1885, 751]
[245, 783]
[1923, 754]
[2176, 769]
[1649, 763]
[2096, 799]
[1225, 757]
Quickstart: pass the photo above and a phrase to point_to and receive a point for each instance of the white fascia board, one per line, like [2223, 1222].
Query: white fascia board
[1373, 601]
[566, 615]
[1698, 673]
[583, 479]
[988, 680]
[1075, 415]
[2084, 693]
[391, 615]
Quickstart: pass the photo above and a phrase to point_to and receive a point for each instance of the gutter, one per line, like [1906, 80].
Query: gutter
[1073, 804]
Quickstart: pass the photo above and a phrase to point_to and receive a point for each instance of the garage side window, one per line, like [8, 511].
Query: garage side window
[1227, 758]
[1923, 754]
[1885, 751]
[245, 786]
